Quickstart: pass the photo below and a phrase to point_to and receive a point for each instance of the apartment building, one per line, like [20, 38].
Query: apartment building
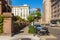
[22, 11]
[46, 16]
[55, 12]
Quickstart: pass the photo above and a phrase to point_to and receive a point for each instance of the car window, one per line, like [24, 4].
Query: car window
[38, 26]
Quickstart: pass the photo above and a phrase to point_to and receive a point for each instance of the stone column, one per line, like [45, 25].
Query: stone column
[7, 24]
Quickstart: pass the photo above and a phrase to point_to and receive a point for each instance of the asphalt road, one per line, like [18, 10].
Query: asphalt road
[55, 32]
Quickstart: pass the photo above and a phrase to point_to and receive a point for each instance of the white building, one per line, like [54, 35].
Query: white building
[22, 11]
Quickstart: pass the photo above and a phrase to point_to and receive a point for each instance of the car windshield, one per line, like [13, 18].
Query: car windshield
[38, 26]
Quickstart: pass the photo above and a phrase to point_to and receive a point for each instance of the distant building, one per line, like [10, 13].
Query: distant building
[55, 14]
[22, 11]
[46, 16]
[51, 12]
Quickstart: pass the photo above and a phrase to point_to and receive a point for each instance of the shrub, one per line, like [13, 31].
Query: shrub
[1, 28]
[31, 30]
[1, 24]
[16, 27]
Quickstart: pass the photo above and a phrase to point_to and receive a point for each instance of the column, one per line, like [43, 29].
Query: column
[8, 24]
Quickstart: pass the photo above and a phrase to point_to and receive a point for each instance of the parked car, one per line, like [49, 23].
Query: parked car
[42, 30]
[52, 25]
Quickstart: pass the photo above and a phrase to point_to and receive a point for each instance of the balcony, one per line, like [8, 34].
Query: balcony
[55, 2]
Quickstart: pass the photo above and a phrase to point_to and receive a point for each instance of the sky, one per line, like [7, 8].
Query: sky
[31, 3]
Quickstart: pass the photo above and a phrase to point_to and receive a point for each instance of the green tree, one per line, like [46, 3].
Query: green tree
[32, 13]
[30, 18]
[17, 18]
[38, 13]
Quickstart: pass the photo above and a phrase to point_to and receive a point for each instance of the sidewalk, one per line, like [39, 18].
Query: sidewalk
[26, 35]
[25, 31]
[29, 36]
[55, 27]
[16, 37]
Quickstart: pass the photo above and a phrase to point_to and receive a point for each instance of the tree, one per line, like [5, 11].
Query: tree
[38, 9]
[17, 18]
[30, 18]
[1, 24]
[32, 13]
[38, 13]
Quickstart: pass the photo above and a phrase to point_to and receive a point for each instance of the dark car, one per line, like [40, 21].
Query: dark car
[46, 30]
[42, 30]
[38, 27]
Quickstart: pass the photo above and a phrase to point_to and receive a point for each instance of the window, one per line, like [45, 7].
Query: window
[53, 0]
[55, 7]
[58, 10]
[55, 11]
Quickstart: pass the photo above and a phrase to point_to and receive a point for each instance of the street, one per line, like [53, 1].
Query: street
[54, 31]
[54, 35]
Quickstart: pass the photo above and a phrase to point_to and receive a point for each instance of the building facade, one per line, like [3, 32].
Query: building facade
[55, 14]
[46, 16]
[9, 2]
[22, 11]
[51, 12]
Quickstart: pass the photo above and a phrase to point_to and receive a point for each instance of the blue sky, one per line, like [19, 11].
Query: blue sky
[31, 3]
